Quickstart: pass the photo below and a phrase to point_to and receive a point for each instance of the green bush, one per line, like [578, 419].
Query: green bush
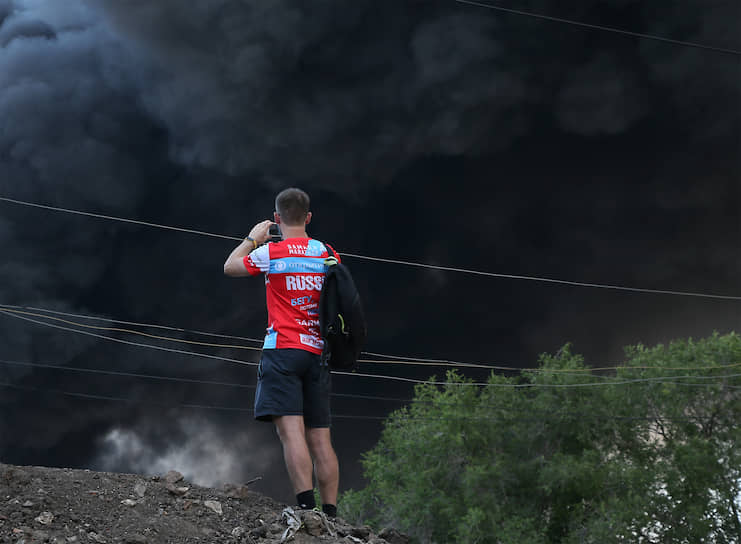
[648, 452]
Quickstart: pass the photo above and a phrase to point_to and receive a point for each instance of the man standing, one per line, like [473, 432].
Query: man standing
[293, 386]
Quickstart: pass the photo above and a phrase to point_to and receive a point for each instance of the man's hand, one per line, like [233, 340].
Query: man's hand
[234, 265]
[260, 233]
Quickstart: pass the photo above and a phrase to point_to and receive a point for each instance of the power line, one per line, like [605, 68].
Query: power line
[140, 333]
[7, 309]
[123, 374]
[456, 364]
[396, 261]
[11, 313]
[396, 359]
[123, 219]
[160, 348]
[150, 325]
[176, 379]
[551, 416]
[603, 28]
[544, 280]
[121, 399]
[426, 361]
[413, 401]
[377, 376]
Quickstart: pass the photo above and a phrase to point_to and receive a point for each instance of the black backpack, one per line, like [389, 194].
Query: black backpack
[341, 318]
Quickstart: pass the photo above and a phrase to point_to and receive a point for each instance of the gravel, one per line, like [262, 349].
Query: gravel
[71, 506]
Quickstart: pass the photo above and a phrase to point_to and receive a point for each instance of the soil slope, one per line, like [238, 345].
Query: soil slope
[65, 506]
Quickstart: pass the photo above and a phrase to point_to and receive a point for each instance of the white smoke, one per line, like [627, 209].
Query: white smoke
[204, 456]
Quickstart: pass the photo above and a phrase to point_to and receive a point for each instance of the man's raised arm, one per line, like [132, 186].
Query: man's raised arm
[234, 265]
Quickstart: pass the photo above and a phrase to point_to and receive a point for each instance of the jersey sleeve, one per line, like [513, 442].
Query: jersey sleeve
[258, 261]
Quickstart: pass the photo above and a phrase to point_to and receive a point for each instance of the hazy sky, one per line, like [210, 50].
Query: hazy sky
[428, 131]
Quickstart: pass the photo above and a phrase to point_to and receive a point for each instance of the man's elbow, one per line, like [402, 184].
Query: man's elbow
[231, 269]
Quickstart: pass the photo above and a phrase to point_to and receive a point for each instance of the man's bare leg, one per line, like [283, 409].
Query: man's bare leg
[325, 463]
[295, 451]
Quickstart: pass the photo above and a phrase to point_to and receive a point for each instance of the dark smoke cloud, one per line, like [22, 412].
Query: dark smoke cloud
[284, 87]
[600, 97]
[429, 131]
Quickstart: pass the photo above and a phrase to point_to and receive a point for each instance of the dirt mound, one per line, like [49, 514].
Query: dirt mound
[65, 506]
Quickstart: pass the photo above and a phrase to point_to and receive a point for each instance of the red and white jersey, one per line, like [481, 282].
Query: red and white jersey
[294, 275]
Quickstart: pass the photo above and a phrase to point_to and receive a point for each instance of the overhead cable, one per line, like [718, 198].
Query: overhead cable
[176, 379]
[542, 279]
[551, 416]
[123, 374]
[399, 262]
[138, 324]
[334, 394]
[123, 219]
[617, 381]
[603, 28]
[120, 341]
[131, 331]
[121, 399]
[395, 359]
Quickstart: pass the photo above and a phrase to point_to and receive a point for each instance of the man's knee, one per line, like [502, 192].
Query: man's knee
[289, 428]
[319, 441]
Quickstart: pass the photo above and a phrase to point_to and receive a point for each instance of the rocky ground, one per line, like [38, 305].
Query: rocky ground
[65, 506]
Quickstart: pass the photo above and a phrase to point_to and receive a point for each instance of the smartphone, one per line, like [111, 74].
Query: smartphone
[275, 234]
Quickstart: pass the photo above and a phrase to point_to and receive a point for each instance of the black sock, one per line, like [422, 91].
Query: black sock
[305, 499]
[330, 510]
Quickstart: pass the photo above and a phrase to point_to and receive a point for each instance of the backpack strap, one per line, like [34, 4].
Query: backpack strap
[331, 259]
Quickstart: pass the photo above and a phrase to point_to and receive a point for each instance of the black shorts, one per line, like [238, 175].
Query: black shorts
[293, 382]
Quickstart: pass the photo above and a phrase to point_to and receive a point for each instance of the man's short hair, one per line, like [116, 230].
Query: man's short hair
[293, 206]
